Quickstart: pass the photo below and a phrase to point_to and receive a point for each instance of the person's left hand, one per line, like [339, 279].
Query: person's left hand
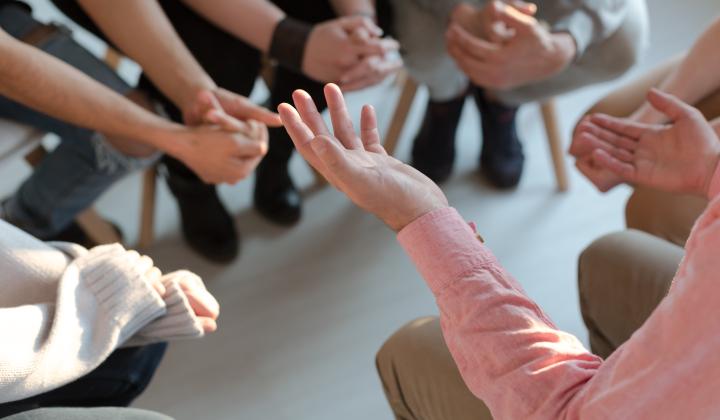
[531, 53]
[679, 157]
[359, 166]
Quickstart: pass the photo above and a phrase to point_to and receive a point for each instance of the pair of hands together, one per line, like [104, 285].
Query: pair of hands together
[502, 45]
[351, 52]
[203, 304]
[682, 156]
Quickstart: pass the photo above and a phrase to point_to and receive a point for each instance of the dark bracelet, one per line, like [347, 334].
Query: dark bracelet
[288, 43]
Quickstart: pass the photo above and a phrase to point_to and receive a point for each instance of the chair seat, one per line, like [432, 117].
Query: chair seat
[17, 140]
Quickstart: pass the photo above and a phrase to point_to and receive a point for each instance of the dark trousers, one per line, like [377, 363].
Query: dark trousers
[117, 382]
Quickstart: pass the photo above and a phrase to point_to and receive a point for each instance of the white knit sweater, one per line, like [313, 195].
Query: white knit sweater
[64, 309]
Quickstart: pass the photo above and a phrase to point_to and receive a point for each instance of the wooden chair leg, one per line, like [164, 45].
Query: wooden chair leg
[147, 212]
[407, 96]
[97, 228]
[552, 128]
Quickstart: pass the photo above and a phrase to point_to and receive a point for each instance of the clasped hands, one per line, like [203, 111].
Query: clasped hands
[503, 46]
[351, 52]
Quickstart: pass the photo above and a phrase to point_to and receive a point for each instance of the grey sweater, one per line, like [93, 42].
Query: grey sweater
[588, 21]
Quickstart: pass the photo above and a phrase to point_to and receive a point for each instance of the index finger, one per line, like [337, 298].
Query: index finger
[300, 134]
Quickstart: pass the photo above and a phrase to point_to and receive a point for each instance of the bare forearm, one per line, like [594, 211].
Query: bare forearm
[354, 7]
[48, 85]
[141, 30]
[253, 21]
[697, 76]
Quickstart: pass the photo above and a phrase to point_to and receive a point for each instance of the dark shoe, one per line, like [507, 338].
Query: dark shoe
[276, 197]
[206, 225]
[433, 151]
[501, 159]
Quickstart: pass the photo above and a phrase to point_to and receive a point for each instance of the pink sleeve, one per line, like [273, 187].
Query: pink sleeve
[509, 353]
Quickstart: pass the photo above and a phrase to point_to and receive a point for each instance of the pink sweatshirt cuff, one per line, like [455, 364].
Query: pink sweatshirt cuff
[443, 247]
[714, 190]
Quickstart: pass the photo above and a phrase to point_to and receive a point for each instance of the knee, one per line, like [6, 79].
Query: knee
[596, 262]
[404, 341]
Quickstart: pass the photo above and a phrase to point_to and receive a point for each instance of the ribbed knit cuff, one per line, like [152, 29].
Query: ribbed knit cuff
[123, 294]
[179, 322]
[288, 43]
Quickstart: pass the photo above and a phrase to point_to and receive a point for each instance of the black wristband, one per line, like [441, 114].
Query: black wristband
[288, 43]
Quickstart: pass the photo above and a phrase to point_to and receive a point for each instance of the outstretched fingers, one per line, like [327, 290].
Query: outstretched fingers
[342, 124]
[300, 134]
[309, 113]
[369, 133]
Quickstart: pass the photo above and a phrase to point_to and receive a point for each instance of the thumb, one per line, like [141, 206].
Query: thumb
[512, 17]
[670, 105]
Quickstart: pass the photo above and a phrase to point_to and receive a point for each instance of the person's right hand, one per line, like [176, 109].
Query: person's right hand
[680, 157]
[359, 166]
[226, 152]
[334, 49]
[202, 302]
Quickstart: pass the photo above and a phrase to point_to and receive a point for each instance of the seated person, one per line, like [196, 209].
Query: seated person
[104, 136]
[513, 359]
[512, 53]
[695, 79]
[78, 326]
[63, 326]
[312, 42]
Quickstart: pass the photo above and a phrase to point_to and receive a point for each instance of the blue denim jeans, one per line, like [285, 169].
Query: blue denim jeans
[84, 165]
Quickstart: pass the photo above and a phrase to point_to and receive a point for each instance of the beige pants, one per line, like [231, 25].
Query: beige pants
[421, 32]
[622, 278]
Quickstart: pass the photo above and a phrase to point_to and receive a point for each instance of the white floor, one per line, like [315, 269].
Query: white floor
[305, 309]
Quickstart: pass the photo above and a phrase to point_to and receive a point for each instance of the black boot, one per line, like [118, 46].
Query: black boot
[501, 159]
[206, 225]
[433, 151]
[276, 197]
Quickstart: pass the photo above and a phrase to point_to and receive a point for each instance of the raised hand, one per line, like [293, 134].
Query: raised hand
[358, 165]
[679, 157]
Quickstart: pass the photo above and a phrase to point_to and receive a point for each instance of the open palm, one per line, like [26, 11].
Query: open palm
[358, 165]
[679, 157]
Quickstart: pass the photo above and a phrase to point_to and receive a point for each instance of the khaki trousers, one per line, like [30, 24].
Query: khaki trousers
[622, 278]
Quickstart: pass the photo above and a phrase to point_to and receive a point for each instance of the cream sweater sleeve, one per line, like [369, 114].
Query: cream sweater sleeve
[55, 330]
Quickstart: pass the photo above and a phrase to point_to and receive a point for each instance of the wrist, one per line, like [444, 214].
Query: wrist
[171, 138]
[289, 41]
[564, 50]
